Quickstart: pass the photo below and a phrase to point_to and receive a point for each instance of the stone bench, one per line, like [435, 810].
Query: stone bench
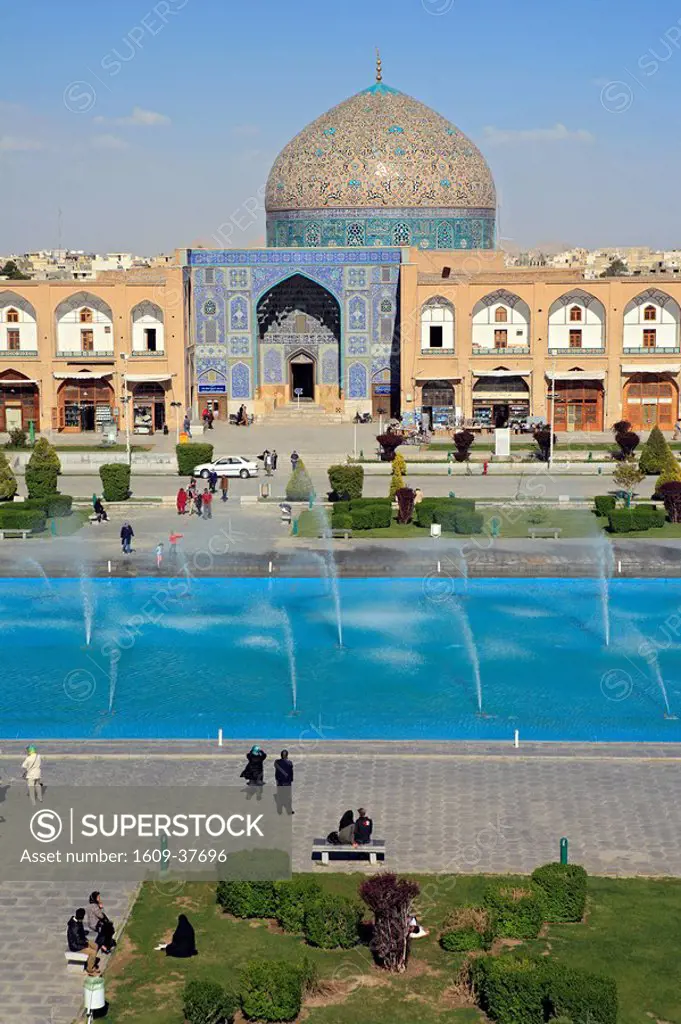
[324, 851]
[75, 959]
[345, 533]
[544, 531]
[9, 534]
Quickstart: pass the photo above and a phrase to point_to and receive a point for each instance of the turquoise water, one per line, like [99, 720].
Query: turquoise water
[174, 659]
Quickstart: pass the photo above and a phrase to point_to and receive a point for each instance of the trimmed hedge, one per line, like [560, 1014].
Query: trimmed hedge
[341, 521]
[437, 510]
[55, 507]
[333, 922]
[517, 909]
[630, 520]
[563, 891]
[16, 518]
[207, 1002]
[371, 517]
[462, 940]
[300, 486]
[604, 504]
[294, 899]
[191, 455]
[347, 480]
[533, 990]
[468, 522]
[467, 928]
[248, 899]
[368, 502]
[272, 990]
[115, 477]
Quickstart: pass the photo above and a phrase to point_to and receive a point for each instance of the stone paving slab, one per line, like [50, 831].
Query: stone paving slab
[442, 807]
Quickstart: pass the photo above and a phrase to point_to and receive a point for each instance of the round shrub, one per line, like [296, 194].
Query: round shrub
[272, 990]
[294, 899]
[333, 922]
[517, 909]
[54, 507]
[207, 1002]
[563, 891]
[347, 480]
[191, 455]
[468, 928]
[42, 470]
[604, 504]
[248, 899]
[463, 940]
[8, 481]
[115, 477]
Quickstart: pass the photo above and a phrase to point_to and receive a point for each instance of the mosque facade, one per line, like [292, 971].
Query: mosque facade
[381, 290]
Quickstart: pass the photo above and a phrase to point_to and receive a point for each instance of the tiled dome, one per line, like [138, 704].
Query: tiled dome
[380, 149]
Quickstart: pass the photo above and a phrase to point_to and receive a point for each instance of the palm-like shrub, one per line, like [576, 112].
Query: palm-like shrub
[390, 898]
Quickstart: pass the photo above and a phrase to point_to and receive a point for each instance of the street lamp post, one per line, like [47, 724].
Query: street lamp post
[553, 414]
[177, 406]
[126, 402]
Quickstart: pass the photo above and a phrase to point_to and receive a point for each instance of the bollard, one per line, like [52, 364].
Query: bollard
[438, 569]
[269, 568]
[294, 528]
[564, 850]
[219, 737]
[516, 739]
[108, 565]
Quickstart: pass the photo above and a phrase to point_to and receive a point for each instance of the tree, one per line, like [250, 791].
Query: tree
[11, 271]
[390, 898]
[617, 268]
[628, 443]
[390, 442]
[300, 486]
[8, 481]
[671, 473]
[42, 470]
[405, 504]
[463, 440]
[543, 439]
[627, 476]
[671, 496]
[655, 453]
[398, 473]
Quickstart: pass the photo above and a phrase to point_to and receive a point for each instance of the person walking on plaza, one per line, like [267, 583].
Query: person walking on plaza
[187, 425]
[274, 459]
[283, 779]
[207, 504]
[198, 502]
[159, 554]
[181, 501]
[212, 481]
[172, 545]
[32, 772]
[224, 487]
[191, 496]
[295, 458]
[254, 773]
[127, 533]
[268, 463]
[210, 419]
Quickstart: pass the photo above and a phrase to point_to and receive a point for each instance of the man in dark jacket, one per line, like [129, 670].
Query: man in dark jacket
[78, 942]
[364, 826]
[283, 777]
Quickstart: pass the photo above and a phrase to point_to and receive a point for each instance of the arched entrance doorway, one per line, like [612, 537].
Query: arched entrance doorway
[19, 401]
[437, 404]
[299, 330]
[148, 408]
[84, 404]
[651, 400]
[579, 404]
[500, 397]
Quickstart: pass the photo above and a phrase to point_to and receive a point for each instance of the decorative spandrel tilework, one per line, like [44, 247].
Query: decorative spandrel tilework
[381, 376]
[357, 381]
[330, 278]
[241, 381]
[330, 366]
[357, 313]
[356, 277]
[358, 345]
[211, 376]
[238, 279]
[240, 346]
[273, 366]
[370, 126]
[238, 314]
[211, 362]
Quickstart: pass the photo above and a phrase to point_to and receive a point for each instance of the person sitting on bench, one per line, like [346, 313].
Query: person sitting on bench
[79, 943]
[346, 828]
[364, 826]
[99, 924]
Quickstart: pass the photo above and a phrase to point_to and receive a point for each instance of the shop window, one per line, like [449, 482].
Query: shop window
[12, 316]
[575, 339]
[86, 316]
[87, 341]
[650, 338]
[501, 315]
[500, 339]
[13, 340]
[650, 313]
[575, 314]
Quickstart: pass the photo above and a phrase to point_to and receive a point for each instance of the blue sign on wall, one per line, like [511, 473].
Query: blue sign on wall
[212, 389]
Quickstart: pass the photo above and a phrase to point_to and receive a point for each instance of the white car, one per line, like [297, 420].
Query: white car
[229, 465]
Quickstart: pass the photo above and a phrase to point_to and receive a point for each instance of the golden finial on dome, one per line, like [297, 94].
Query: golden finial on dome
[379, 73]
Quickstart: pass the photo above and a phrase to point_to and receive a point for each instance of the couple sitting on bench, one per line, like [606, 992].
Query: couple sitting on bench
[352, 831]
[98, 926]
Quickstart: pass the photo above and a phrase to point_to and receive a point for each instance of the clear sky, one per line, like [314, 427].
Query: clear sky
[149, 123]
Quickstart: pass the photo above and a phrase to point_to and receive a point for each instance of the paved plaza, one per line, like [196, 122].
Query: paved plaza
[443, 807]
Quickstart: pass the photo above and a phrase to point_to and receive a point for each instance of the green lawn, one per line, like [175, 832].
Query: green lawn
[64, 526]
[632, 932]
